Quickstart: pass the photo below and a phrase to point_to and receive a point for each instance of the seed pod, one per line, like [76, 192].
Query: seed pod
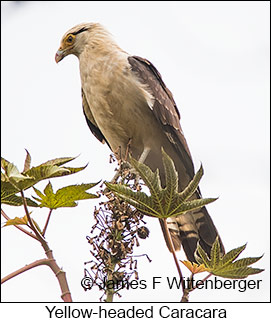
[143, 232]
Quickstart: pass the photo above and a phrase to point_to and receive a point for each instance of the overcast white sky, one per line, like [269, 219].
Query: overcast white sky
[213, 56]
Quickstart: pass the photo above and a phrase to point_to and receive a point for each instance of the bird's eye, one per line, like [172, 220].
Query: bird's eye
[70, 39]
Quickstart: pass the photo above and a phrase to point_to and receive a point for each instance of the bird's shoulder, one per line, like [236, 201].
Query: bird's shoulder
[149, 75]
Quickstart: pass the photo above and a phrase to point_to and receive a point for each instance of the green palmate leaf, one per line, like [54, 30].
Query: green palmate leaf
[48, 191]
[73, 170]
[232, 255]
[15, 200]
[193, 267]
[239, 273]
[13, 175]
[72, 193]
[171, 177]
[192, 186]
[16, 221]
[64, 197]
[225, 266]
[9, 193]
[39, 194]
[139, 200]
[202, 257]
[241, 263]
[151, 179]
[7, 189]
[27, 161]
[58, 161]
[215, 254]
[190, 206]
[30, 176]
[44, 172]
[162, 202]
[7, 166]
[22, 221]
[35, 175]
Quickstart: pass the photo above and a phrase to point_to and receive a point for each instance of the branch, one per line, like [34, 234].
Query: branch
[32, 225]
[50, 261]
[34, 264]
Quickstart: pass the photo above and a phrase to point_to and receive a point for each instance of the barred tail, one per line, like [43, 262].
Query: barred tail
[188, 229]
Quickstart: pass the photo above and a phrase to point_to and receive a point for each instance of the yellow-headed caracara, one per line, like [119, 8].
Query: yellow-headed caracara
[126, 101]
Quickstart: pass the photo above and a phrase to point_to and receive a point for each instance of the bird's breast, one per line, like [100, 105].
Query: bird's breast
[118, 102]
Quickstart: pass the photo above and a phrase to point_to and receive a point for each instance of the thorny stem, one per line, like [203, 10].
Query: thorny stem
[34, 264]
[61, 277]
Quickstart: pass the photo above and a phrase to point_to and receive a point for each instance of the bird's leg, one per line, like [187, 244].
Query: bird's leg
[117, 153]
[144, 155]
[128, 149]
[142, 159]
[122, 162]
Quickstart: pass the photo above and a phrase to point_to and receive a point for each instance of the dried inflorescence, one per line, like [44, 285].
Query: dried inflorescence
[113, 237]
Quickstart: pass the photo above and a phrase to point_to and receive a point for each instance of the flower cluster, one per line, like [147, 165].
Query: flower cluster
[113, 238]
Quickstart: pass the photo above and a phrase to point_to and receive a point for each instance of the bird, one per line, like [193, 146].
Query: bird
[126, 102]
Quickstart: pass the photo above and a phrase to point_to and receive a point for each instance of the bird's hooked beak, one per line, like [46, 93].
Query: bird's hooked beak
[59, 55]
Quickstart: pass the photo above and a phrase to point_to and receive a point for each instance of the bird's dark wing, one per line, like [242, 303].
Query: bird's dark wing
[164, 108]
[91, 122]
[194, 226]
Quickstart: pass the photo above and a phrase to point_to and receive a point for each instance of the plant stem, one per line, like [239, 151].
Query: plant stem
[50, 261]
[61, 277]
[168, 236]
[110, 291]
[47, 222]
[185, 296]
[203, 280]
[33, 227]
[191, 288]
[34, 264]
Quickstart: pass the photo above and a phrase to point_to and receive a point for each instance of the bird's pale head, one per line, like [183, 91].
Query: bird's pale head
[77, 38]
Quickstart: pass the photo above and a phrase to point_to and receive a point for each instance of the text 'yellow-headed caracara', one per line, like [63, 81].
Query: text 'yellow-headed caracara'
[126, 101]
